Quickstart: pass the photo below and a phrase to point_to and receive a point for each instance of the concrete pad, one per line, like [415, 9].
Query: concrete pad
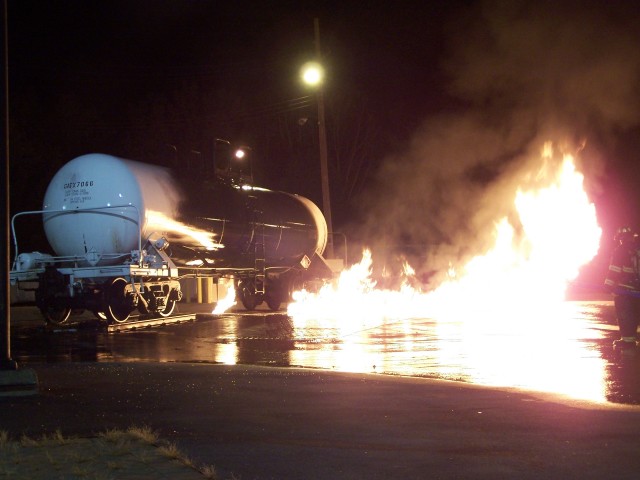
[264, 422]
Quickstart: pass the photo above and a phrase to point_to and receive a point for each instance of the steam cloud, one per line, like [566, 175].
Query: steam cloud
[522, 73]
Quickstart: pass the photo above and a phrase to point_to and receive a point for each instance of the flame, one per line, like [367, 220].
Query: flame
[513, 291]
[158, 221]
[230, 298]
[560, 234]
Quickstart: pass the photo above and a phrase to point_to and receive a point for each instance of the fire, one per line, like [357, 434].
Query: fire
[158, 221]
[532, 270]
[355, 297]
[230, 298]
[530, 265]
[513, 292]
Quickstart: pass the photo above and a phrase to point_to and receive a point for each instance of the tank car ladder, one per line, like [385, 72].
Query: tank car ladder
[259, 260]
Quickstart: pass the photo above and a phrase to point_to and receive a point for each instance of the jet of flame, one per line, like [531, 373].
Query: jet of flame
[229, 299]
[560, 234]
[158, 221]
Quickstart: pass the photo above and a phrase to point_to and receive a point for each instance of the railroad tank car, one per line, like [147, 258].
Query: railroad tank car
[200, 218]
[123, 232]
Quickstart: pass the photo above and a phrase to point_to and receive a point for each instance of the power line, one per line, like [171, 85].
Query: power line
[269, 110]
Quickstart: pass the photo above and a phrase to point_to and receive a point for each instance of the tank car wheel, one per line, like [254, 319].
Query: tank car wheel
[274, 298]
[168, 310]
[56, 315]
[246, 292]
[117, 308]
[273, 303]
[276, 294]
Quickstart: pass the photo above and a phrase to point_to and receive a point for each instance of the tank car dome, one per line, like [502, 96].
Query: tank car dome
[93, 206]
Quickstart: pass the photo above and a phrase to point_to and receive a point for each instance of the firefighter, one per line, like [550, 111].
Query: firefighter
[624, 282]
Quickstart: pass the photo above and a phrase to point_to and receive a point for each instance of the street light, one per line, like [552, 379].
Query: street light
[312, 74]
[244, 163]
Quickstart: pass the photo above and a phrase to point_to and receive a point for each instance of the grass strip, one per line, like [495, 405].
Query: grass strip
[136, 453]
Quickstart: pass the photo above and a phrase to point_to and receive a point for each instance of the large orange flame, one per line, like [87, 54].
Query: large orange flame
[501, 319]
[521, 272]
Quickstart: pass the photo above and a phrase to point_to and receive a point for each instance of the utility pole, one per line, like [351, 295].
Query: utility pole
[322, 139]
[6, 363]
[13, 381]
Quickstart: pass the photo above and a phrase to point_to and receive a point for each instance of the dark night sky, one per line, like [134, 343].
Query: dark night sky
[109, 75]
[131, 77]
[475, 85]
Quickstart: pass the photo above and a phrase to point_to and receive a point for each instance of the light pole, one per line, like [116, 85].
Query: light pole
[6, 362]
[15, 381]
[312, 74]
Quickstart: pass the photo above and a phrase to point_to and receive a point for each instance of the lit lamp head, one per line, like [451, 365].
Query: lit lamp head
[312, 74]
[241, 163]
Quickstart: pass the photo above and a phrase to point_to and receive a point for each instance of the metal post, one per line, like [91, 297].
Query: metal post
[322, 139]
[6, 363]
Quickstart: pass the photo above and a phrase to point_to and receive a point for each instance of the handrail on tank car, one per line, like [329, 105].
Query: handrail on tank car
[74, 211]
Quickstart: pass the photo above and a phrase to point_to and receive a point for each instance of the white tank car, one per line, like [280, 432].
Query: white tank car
[124, 232]
[100, 208]
[109, 197]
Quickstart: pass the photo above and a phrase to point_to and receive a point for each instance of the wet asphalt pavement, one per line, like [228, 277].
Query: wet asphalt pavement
[569, 355]
[224, 390]
[254, 422]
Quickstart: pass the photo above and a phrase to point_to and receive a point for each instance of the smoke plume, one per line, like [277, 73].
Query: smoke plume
[520, 74]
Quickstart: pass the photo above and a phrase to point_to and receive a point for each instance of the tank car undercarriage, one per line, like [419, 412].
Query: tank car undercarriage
[275, 291]
[146, 285]
[113, 299]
